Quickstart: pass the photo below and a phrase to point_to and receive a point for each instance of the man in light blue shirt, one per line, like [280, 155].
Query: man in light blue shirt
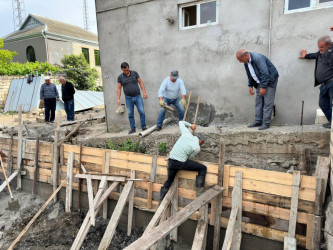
[187, 146]
[169, 94]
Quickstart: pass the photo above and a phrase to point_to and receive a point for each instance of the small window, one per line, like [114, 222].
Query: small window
[85, 53]
[97, 58]
[292, 6]
[31, 56]
[198, 14]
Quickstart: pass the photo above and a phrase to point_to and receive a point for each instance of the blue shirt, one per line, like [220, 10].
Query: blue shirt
[187, 146]
[171, 89]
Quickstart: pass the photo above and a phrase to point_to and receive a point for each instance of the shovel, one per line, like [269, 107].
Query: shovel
[14, 204]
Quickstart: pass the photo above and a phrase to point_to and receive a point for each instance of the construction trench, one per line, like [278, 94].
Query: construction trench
[273, 187]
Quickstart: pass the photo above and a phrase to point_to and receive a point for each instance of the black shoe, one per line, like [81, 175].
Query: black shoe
[144, 128]
[199, 184]
[255, 124]
[159, 128]
[132, 131]
[327, 125]
[263, 127]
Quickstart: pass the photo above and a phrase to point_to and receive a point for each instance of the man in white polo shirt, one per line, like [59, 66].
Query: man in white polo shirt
[169, 94]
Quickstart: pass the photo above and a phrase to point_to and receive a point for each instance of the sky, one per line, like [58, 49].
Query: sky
[68, 11]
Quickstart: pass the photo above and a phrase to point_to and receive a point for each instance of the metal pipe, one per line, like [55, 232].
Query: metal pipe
[151, 129]
[270, 29]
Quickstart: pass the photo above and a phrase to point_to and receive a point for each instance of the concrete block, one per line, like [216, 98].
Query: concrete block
[40, 120]
[320, 117]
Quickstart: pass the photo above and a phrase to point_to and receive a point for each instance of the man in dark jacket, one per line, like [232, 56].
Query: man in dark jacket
[68, 91]
[323, 75]
[49, 96]
[262, 75]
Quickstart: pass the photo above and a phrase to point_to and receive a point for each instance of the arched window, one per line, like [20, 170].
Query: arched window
[31, 54]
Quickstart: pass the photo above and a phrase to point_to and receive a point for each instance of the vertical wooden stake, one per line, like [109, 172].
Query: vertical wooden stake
[80, 180]
[218, 204]
[188, 104]
[196, 112]
[10, 155]
[237, 195]
[294, 204]
[55, 159]
[19, 150]
[106, 171]
[174, 210]
[35, 167]
[91, 200]
[130, 205]
[149, 194]
[69, 188]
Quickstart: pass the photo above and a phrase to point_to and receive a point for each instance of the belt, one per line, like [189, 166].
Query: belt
[133, 95]
[327, 81]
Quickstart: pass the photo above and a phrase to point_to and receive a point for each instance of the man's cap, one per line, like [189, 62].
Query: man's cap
[47, 78]
[201, 137]
[174, 74]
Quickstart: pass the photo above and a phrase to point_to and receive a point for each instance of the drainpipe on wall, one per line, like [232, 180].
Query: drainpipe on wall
[270, 29]
[46, 45]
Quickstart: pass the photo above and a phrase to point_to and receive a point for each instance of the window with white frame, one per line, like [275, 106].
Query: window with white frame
[198, 14]
[292, 6]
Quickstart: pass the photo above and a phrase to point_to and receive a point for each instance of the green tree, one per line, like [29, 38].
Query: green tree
[77, 68]
[6, 56]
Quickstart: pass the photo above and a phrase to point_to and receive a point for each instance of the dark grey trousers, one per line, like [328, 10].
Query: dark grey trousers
[264, 104]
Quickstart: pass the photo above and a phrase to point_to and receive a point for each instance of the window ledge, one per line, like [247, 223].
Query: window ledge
[322, 6]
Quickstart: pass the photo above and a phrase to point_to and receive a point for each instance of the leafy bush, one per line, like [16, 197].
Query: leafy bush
[127, 145]
[162, 148]
[77, 68]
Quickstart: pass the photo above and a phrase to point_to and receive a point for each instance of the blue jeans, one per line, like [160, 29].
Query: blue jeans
[138, 102]
[265, 104]
[176, 103]
[69, 108]
[326, 98]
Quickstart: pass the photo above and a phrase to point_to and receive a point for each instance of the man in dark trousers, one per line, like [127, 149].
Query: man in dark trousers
[68, 91]
[129, 80]
[187, 146]
[323, 75]
[49, 96]
[262, 75]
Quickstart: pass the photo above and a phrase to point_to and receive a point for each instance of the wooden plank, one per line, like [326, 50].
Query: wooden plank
[218, 203]
[99, 177]
[10, 178]
[149, 194]
[276, 189]
[111, 228]
[161, 209]
[309, 231]
[20, 149]
[200, 237]
[273, 177]
[196, 112]
[55, 158]
[35, 168]
[294, 204]
[106, 171]
[91, 200]
[319, 202]
[188, 104]
[69, 188]
[130, 206]
[35, 217]
[226, 177]
[149, 239]
[153, 169]
[317, 232]
[10, 154]
[237, 202]
[289, 243]
[97, 204]
[322, 171]
[174, 210]
[230, 229]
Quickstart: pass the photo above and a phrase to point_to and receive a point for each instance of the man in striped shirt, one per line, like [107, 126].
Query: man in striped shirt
[187, 146]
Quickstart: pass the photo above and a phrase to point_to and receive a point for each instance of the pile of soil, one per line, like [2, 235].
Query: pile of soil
[54, 229]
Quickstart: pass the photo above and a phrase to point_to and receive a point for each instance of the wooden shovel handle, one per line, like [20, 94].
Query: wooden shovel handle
[4, 173]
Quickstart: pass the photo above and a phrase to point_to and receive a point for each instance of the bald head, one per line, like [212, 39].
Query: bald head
[243, 56]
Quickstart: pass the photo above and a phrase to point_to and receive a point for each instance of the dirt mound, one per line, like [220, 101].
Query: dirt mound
[54, 229]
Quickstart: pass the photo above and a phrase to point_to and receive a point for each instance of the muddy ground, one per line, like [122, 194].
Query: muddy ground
[54, 229]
